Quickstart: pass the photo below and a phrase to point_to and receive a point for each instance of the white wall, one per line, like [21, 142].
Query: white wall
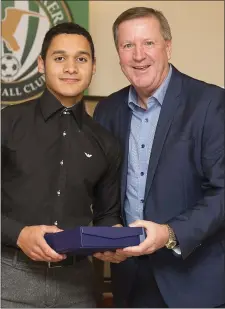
[198, 40]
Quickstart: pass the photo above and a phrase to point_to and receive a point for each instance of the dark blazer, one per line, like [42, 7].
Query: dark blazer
[185, 188]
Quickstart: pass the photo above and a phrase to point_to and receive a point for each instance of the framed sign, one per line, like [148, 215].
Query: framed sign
[24, 24]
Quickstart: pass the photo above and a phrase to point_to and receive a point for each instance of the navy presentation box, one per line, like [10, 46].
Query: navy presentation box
[86, 240]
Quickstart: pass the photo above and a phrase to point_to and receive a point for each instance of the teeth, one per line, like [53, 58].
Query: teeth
[141, 67]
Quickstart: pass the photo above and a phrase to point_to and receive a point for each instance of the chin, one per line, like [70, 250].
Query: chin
[141, 85]
[71, 94]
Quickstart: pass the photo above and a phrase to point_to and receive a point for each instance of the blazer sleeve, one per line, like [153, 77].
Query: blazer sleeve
[204, 219]
[101, 115]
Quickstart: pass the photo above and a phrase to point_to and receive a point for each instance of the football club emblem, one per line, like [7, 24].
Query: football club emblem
[24, 24]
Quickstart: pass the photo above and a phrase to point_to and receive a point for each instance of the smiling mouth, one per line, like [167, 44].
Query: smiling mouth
[70, 80]
[141, 68]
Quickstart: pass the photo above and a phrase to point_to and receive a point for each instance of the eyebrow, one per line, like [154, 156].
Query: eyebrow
[80, 52]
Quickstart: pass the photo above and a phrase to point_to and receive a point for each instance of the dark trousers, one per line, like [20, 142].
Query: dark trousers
[145, 292]
[26, 283]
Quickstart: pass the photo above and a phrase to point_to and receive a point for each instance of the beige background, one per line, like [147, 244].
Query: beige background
[198, 40]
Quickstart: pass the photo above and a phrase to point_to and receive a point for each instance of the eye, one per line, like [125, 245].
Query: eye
[81, 59]
[127, 45]
[59, 59]
[149, 43]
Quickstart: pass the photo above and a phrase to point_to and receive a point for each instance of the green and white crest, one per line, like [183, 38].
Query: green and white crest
[24, 24]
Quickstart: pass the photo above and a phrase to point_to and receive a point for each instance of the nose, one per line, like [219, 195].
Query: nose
[138, 53]
[71, 67]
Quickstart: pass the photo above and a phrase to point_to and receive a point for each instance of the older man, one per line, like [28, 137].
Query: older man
[171, 127]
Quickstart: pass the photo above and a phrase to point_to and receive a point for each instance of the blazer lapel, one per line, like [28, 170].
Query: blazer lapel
[169, 106]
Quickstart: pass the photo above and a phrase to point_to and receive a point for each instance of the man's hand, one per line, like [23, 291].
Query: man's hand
[157, 237]
[109, 256]
[112, 257]
[31, 241]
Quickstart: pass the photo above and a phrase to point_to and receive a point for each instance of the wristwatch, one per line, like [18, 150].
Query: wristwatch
[172, 242]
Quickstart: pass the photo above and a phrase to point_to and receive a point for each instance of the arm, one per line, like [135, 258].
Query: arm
[107, 206]
[10, 230]
[10, 227]
[204, 219]
[103, 115]
[208, 215]
[30, 239]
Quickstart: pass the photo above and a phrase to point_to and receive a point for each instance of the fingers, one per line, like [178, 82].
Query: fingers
[50, 229]
[38, 253]
[140, 223]
[32, 243]
[48, 254]
[145, 247]
[112, 257]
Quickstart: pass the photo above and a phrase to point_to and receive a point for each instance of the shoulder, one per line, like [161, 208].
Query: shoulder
[113, 100]
[18, 110]
[108, 108]
[198, 89]
[204, 102]
[14, 116]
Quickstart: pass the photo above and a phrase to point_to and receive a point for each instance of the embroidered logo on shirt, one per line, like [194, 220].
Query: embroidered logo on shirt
[88, 155]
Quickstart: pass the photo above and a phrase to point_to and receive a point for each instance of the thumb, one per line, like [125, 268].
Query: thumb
[139, 223]
[52, 229]
[133, 225]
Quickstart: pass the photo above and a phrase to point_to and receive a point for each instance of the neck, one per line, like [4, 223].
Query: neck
[67, 101]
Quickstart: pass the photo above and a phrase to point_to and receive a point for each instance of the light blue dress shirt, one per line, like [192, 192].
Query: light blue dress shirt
[143, 127]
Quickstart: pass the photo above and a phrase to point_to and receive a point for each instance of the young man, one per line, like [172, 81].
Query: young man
[171, 127]
[59, 169]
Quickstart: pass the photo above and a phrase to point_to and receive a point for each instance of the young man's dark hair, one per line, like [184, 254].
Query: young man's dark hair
[69, 28]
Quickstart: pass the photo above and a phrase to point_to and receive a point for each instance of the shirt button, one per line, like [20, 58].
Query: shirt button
[58, 192]
[143, 146]
[142, 173]
[61, 162]
[64, 133]
[146, 119]
[142, 201]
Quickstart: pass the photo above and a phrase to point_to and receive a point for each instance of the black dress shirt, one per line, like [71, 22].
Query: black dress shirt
[58, 167]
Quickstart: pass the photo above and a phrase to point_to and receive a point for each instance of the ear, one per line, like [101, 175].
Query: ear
[41, 65]
[94, 66]
[169, 49]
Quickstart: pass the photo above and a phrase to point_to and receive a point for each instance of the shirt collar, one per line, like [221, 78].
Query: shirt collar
[159, 94]
[50, 105]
